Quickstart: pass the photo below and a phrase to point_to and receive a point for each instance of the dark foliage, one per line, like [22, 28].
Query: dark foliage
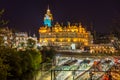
[18, 65]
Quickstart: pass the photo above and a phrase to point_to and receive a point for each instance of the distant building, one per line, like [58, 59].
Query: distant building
[20, 40]
[6, 36]
[102, 48]
[59, 35]
[116, 43]
[65, 36]
[102, 38]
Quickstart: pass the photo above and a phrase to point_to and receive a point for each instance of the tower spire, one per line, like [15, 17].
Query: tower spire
[48, 10]
[48, 7]
[48, 18]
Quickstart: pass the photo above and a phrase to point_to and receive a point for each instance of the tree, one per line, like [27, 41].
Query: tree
[51, 53]
[30, 62]
[3, 70]
[48, 53]
[37, 58]
[11, 58]
[26, 64]
[18, 65]
[2, 21]
[31, 43]
[1, 40]
[44, 52]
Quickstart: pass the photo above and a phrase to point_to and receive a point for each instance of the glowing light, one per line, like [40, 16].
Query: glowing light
[53, 40]
[48, 18]
[74, 40]
[61, 40]
[47, 22]
[68, 40]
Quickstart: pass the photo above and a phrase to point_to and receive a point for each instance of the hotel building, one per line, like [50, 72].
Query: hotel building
[59, 35]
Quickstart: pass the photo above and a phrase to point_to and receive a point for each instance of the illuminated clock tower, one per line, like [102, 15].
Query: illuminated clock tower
[48, 18]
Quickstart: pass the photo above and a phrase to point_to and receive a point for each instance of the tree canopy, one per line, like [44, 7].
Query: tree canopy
[18, 64]
[3, 22]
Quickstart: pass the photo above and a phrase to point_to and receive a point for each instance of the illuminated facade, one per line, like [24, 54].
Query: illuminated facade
[21, 40]
[6, 36]
[65, 35]
[102, 48]
[48, 18]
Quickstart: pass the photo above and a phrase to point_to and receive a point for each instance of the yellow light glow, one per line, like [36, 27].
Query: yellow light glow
[53, 40]
[85, 43]
[40, 40]
[61, 40]
[74, 40]
[68, 40]
[66, 34]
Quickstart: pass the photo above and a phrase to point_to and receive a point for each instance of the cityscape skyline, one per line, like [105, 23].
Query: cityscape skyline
[29, 16]
[59, 40]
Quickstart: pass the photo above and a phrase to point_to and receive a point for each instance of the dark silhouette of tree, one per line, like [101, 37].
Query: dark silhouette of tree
[3, 22]
[3, 70]
[18, 65]
[48, 53]
[31, 43]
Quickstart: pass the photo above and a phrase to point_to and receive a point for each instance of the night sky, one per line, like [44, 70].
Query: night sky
[27, 15]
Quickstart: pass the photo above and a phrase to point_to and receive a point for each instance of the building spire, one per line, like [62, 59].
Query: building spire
[48, 10]
[48, 7]
[48, 18]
